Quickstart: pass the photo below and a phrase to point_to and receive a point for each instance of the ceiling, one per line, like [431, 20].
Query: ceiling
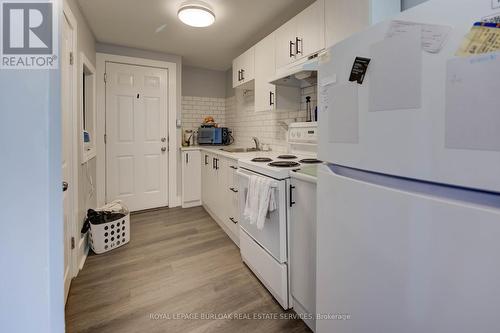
[153, 25]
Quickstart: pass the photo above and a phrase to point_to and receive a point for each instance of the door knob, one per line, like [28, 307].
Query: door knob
[163, 149]
[65, 186]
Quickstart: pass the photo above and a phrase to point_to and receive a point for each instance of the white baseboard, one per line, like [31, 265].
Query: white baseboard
[83, 251]
[191, 204]
[175, 203]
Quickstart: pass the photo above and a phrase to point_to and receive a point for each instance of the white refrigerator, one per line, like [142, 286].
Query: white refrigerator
[408, 225]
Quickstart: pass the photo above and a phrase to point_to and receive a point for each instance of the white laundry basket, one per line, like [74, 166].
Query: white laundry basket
[104, 237]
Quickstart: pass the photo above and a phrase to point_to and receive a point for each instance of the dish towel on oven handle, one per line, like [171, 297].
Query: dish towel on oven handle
[260, 200]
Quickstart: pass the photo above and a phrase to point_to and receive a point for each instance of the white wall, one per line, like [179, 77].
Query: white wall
[203, 94]
[31, 237]
[203, 82]
[245, 122]
[236, 111]
[196, 108]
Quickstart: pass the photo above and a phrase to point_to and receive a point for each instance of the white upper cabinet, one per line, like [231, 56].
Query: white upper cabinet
[265, 66]
[269, 97]
[346, 17]
[244, 68]
[285, 44]
[302, 36]
[310, 30]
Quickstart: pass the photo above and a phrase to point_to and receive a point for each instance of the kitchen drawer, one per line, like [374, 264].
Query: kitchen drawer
[270, 272]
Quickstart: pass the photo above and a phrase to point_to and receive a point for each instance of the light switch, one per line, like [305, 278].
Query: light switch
[495, 4]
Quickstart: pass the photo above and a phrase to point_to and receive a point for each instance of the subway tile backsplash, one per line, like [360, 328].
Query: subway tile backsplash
[195, 109]
[238, 114]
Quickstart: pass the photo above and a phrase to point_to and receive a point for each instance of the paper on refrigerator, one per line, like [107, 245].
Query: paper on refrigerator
[433, 36]
[484, 37]
[396, 73]
[472, 114]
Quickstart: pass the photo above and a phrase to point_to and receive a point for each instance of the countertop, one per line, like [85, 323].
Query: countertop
[235, 156]
[307, 173]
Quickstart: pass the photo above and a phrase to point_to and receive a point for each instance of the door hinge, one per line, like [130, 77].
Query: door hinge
[105, 77]
[105, 139]
[72, 243]
[71, 60]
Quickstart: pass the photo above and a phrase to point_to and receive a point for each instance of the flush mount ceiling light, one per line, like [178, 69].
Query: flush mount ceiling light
[196, 15]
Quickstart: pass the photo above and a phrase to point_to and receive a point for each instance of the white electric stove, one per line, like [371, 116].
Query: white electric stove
[302, 151]
[265, 251]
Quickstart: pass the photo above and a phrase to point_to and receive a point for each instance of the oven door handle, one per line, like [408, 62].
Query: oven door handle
[244, 175]
[291, 195]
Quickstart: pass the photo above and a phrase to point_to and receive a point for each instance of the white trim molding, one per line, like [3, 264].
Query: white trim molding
[86, 66]
[74, 138]
[173, 85]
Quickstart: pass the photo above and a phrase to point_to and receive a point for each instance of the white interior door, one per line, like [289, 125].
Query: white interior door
[67, 115]
[136, 135]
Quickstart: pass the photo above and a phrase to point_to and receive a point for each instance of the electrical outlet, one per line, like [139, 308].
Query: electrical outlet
[495, 4]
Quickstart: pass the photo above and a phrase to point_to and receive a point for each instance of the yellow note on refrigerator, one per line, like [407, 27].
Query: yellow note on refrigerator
[483, 38]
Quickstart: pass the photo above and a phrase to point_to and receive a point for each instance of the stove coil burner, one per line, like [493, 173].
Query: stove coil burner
[284, 164]
[310, 161]
[287, 157]
[262, 159]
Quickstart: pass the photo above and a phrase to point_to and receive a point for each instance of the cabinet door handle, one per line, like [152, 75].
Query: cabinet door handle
[242, 76]
[206, 162]
[271, 98]
[187, 158]
[291, 196]
[233, 189]
[291, 49]
[233, 220]
[213, 162]
[234, 167]
[216, 164]
[298, 50]
[239, 75]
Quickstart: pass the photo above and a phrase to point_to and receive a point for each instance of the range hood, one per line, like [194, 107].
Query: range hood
[302, 74]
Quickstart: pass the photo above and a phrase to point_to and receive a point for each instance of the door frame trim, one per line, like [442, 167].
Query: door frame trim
[74, 269]
[173, 82]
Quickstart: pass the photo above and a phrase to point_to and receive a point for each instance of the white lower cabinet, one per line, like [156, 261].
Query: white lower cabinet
[205, 172]
[302, 236]
[220, 192]
[191, 178]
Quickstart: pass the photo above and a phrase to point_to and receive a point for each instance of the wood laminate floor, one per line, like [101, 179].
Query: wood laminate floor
[178, 263]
